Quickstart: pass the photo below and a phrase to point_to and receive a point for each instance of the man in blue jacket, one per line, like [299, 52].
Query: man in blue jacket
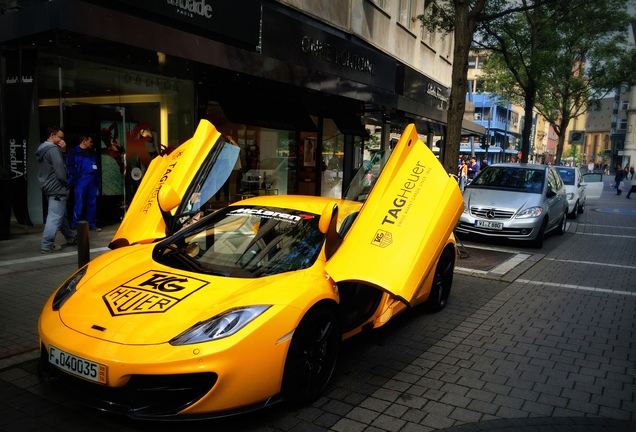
[83, 175]
[54, 184]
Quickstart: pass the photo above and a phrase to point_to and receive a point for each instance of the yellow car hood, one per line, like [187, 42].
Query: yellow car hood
[143, 221]
[404, 223]
[144, 302]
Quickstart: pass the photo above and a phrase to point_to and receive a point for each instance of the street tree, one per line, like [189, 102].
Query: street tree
[463, 18]
[560, 59]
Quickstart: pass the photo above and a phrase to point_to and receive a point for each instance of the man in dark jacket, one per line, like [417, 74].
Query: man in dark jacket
[83, 175]
[618, 178]
[54, 185]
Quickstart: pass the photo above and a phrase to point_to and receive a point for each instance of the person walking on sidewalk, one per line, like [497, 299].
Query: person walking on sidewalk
[83, 175]
[618, 178]
[55, 186]
[629, 181]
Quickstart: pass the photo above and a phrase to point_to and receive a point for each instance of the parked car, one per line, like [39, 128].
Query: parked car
[574, 189]
[515, 201]
[247, 306]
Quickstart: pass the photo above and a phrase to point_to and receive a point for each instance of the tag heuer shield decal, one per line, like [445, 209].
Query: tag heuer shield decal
[151, 292]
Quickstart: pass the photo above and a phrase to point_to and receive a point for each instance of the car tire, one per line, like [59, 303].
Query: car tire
[312, 355]
[442, 281]
[575, 211]
[582, 207]
[537, 243]
[562, 224]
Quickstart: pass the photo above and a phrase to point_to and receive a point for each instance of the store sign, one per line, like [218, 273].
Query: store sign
[300, 43]
[18, 87]
[334, 54]
[236, 19]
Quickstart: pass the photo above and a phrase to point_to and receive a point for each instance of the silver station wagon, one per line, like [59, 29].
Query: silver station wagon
[515, 201]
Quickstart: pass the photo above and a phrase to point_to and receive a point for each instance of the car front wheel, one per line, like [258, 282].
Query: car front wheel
[312, 355]
[442, 281]
[562, 224]
[538, 241]
[575, 211]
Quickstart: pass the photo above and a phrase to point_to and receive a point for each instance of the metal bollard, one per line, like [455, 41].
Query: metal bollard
[83, 244]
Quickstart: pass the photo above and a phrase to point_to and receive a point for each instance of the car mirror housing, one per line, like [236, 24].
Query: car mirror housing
[168, 198]
[550, 193]
[327, 225]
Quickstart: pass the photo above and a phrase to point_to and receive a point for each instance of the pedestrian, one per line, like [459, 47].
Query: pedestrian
[628, 182]
[484, 164]
[473, 168]
[618, 178]
[462, 175]
[54, 184]
[83, 175]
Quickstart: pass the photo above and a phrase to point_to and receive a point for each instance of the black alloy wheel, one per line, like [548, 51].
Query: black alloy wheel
[312, 356]
[442, 281]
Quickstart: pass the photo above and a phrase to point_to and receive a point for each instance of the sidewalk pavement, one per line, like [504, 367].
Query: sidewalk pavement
[543, 341]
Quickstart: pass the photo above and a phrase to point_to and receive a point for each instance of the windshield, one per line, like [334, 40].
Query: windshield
[506, 177]
[567, 175]
[246, 241]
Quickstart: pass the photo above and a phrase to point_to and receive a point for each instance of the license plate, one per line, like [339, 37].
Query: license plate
[77, 366]
[489, 224]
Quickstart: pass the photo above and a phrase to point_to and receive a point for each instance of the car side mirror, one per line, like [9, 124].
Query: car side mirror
[551, 193]
[168, 198]
[327, 225]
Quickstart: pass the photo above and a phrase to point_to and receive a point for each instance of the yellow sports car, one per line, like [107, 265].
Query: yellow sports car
[194, 315]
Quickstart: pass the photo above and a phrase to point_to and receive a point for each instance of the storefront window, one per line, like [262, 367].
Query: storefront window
[268, 159]
[332, 160]
[132, 116]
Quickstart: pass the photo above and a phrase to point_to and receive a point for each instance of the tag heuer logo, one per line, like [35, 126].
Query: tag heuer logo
[382, 238]
[151, 292]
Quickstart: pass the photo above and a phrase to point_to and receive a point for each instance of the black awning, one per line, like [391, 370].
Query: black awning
[263, 111]
[350, 124]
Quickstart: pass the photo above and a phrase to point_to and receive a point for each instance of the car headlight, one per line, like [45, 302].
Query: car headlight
[68, 289]
[570, 196]
[532, 212]
[223, 325]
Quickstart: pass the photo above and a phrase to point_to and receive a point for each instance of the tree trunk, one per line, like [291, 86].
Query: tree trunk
[464, 30]
[527, 126]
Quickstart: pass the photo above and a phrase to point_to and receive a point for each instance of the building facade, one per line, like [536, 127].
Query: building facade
[299, 85]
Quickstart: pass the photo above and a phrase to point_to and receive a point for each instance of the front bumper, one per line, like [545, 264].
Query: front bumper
[516, 229]
[163, 382]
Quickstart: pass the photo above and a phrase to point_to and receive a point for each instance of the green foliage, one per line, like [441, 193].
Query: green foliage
[559, 58]
[605, 154]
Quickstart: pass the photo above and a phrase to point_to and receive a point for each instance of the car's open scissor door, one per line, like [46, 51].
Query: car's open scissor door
[194, 170]
[403, 225]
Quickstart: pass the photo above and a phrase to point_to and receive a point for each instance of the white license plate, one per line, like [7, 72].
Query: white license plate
[78, 366]
[489, 224]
